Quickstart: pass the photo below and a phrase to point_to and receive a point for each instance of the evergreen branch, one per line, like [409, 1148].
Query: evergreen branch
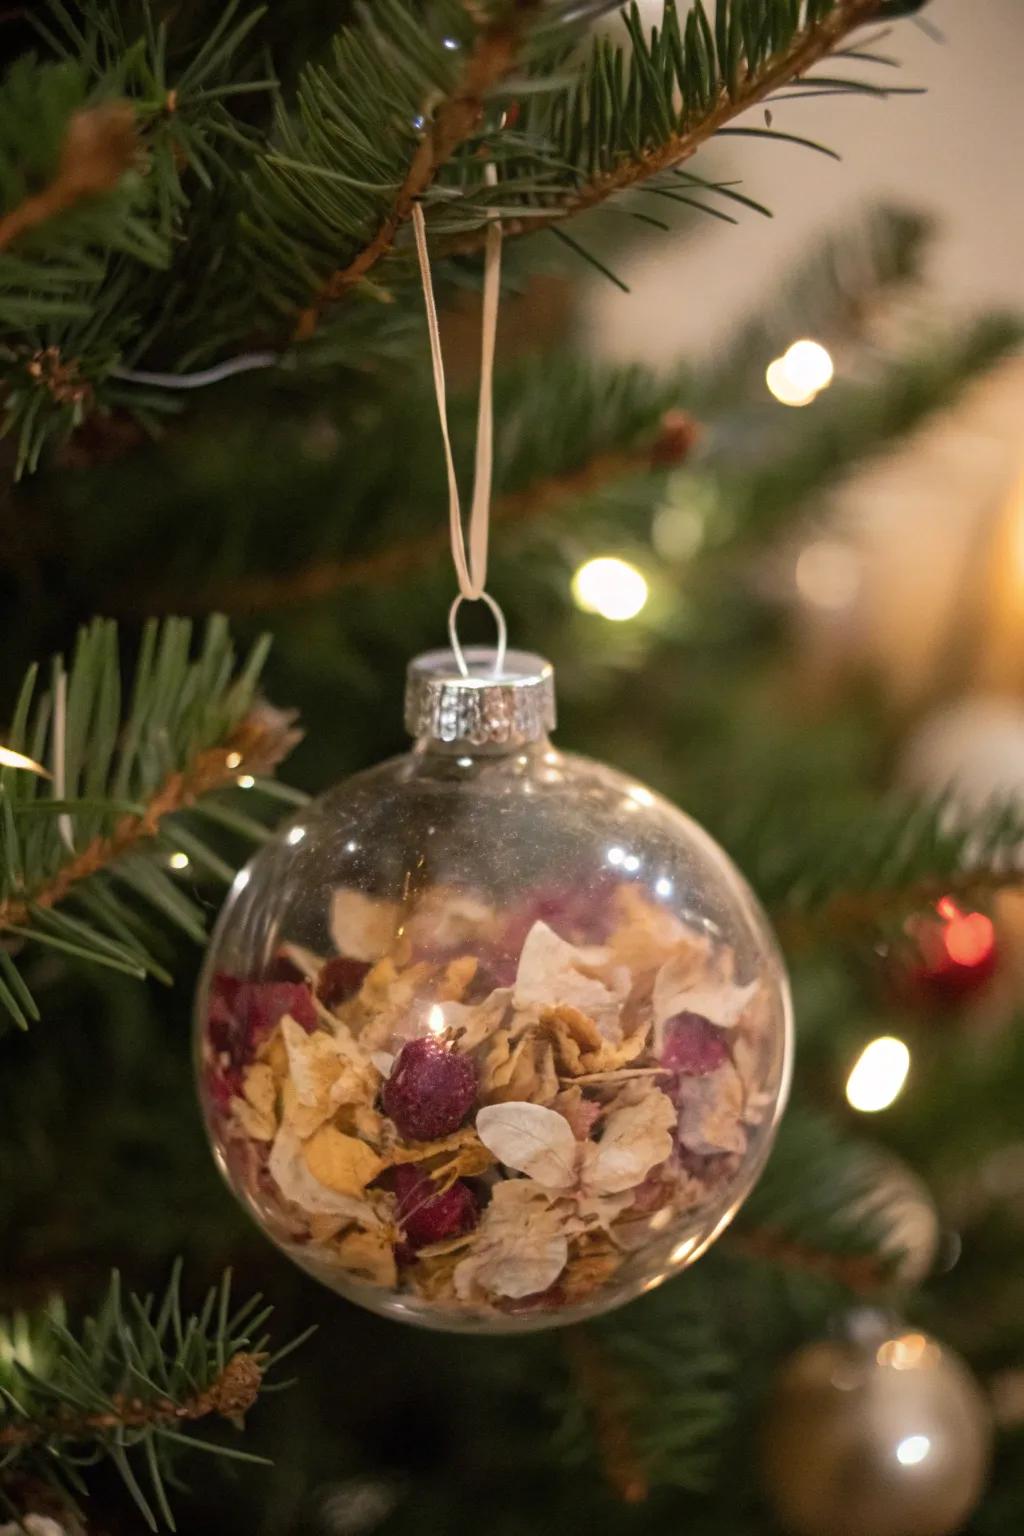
[648, 1395]
[600, 1387]
[99, 146]
[834, 1227]
[680, 88]
[842, 873]
[453, 120]
[123, 1385]
[100, 830]
[231, 1393]
[256, 746]
[547, 497]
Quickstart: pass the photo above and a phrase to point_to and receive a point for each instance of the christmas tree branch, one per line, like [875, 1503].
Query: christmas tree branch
[453, 120]
[99, 146]
[124, 1387]
[744, 84]
[600, 1388]
[547, 496]
[108, 827]
[230, 1395]
[255, 747]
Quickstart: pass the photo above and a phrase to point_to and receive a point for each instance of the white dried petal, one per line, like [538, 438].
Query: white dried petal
[552, 972]
[470, 1024]
[531, 1139]
[711, 1111]
[362, 927]
[287, 1167]
[446, 918]
[520, 1247]
[635, 1139]
[684, 985]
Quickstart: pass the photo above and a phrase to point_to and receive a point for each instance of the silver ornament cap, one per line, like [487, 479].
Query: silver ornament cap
[489, 708]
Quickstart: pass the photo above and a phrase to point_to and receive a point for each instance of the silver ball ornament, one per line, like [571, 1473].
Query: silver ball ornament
[885, 1433]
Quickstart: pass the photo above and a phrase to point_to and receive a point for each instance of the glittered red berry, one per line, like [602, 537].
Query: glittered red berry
[340, 978]
[431, 1090]
[693, 1045]
[426, 1216]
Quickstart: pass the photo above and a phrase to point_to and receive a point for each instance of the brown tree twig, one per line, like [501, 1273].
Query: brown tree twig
[99, 146]
[849, 912]
[860, 1272]
[676, 437]
[255, 746]
[806, 50]
[230, 1395]
[600, 1387]
[453, 121]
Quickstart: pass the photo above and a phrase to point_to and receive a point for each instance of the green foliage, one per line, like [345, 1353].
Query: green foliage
[247, 200]
[661, 1380]
[849, 872]
[85, 872]
[124, 1388]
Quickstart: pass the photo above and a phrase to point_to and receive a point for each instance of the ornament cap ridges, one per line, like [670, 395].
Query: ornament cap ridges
[505, 709]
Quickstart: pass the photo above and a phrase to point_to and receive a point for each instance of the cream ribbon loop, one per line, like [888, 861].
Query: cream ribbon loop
[471, 566]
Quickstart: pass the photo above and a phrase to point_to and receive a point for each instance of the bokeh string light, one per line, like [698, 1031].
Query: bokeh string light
[878, 1075]
[610, 587]
[800, 374]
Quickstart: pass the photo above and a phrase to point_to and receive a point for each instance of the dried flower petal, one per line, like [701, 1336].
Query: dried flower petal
[521, 1244]
[532, 1140]
[341, 1163]
[552, 972]
[681, 986]
[369, 1255]
[711, 1111]
[287, 1167]
[635, 1139]
[362, 927]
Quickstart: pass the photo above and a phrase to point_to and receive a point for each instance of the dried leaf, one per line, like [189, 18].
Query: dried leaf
[420, 1151]
[635, 1139]
[446, 918]
[593, 1261]
[252, 1122]
[456, 979]
[369, 1255]
[646, 934]
[521, 1245]
[684, 985]
[552, 972]
[532, 1140]
[471, 1024]
[711, 1111]
[362, 927]
[341, 1163]
[287, 1167]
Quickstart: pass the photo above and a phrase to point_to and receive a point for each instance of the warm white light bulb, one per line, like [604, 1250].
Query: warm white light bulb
[808, 363]
[878, 1074]
[787, 391]
[912, 1450]
[178, 861]
[611, 587]
[800, 374]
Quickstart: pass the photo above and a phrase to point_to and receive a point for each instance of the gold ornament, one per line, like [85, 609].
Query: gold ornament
[883, 1433]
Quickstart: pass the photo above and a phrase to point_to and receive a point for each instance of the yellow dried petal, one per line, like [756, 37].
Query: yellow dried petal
[260, 1089]
[255, 1123]
[368, 1254]
[342, 1163]
[456, 979]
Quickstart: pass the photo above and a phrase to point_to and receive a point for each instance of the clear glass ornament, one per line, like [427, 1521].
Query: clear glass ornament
[491, 1037]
